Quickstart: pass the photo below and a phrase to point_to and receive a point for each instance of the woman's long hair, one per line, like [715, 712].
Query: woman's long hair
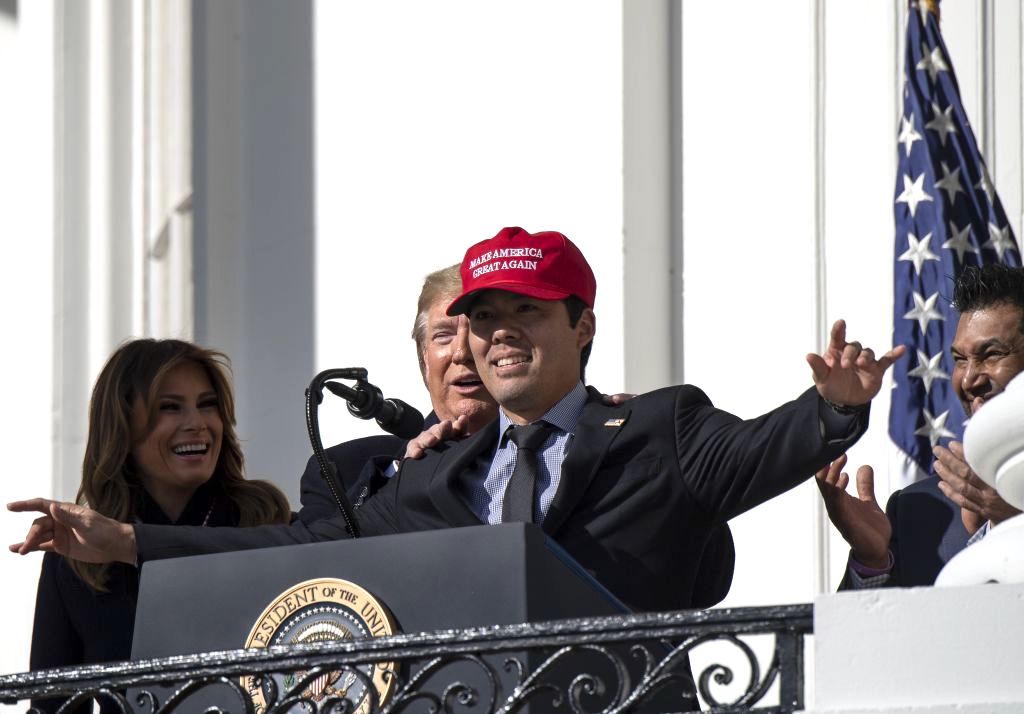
[110, 482]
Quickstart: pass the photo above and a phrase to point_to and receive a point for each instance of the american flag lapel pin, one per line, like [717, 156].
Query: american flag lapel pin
[615, 422]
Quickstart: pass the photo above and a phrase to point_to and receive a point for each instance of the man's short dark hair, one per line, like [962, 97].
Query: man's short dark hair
[575, 306]
[981, 287]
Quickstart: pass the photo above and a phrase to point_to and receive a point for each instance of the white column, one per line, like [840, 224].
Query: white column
[166, 164]
[652, 196]
[253, 212]
[1007, 83]
[97, 262]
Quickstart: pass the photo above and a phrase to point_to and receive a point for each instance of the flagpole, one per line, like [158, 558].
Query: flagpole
[986, 95]
[821, 524]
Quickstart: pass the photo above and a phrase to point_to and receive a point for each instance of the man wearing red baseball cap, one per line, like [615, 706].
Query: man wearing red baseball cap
[631, 491]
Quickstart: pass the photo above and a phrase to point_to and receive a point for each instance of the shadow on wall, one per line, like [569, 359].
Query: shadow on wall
[9, 8]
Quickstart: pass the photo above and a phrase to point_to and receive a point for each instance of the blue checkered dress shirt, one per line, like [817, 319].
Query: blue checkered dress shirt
[491, 474]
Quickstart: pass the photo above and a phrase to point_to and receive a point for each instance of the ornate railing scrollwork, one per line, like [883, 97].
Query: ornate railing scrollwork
[603, 665]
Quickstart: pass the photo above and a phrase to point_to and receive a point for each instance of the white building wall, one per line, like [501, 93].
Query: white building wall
[748, 248]
[26, 292]
[77, 281]
[898, 651]
[253, 217]
[436, 124]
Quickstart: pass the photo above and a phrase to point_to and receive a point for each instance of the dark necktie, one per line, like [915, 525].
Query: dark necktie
[518, 502]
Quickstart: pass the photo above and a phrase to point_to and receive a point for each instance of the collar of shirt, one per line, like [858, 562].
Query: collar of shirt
[486, 486]
[980, 533]
[563, 415]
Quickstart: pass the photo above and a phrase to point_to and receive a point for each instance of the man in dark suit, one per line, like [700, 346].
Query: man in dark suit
[631, 491]
[365, 465]
[461, 402]
[908, 544]
[928, 522]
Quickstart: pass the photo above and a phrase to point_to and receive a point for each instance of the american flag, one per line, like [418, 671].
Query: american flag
[948, 216]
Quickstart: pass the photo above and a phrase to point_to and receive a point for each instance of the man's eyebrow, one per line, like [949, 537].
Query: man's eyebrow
[990, 342]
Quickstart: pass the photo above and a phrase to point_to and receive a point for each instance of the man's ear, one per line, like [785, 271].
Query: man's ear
[586, 327]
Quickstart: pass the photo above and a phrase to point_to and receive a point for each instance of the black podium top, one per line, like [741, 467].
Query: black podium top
[455, 578]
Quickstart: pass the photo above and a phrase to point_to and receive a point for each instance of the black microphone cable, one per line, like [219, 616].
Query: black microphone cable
[365, 401]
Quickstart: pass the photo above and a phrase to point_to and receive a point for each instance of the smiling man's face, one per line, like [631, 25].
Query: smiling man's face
[988, 351]
[448, 370]
[526, 351]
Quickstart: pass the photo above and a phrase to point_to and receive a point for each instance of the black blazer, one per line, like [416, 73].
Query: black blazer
[75, 624]
[642, 487]
[375, 453]
[360, 463]
[926, 532]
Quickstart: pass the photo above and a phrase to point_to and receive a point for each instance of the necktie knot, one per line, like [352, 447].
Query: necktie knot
[530, 436]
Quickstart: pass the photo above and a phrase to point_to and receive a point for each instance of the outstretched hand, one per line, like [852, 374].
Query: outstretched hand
[446, 430]
[76, 532]
[857, 518]
[847, 373]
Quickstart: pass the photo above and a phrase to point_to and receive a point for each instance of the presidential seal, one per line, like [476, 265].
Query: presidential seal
[324, 610]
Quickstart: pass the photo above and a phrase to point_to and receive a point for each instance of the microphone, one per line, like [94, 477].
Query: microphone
[366, 401]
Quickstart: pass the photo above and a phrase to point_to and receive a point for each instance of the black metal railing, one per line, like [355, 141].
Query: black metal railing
[605, 664]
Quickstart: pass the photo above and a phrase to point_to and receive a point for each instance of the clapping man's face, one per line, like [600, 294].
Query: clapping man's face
[988, 351]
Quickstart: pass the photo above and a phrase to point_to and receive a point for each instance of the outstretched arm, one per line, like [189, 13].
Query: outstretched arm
[76, 532]
[848, 374]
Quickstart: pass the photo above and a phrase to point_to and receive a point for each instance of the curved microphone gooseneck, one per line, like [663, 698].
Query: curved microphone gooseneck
[365, 401]
[315, 395]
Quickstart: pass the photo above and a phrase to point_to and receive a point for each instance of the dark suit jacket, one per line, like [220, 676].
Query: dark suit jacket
[926, 532]
[361, 464]
[643, 486]
[75, 624]
[717, 562]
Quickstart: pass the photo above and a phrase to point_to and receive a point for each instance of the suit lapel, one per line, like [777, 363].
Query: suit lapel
[446, 488]
[597, 428]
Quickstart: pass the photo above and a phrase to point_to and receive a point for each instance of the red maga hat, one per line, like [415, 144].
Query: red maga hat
[543, 265]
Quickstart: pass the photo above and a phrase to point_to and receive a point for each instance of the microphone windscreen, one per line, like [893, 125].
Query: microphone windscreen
[406, 421]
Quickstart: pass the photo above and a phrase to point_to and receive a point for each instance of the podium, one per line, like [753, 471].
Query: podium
[431, 580]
